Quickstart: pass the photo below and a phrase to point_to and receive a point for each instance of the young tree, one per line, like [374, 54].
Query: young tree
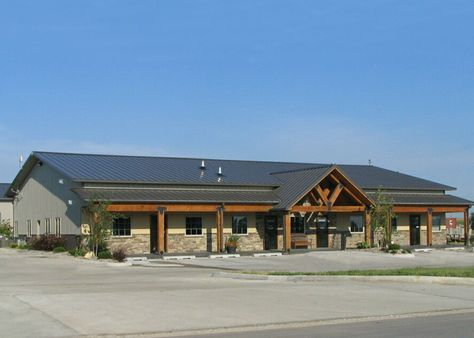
[100, 222]
[382, 214]
[6, 229]
[471, 228]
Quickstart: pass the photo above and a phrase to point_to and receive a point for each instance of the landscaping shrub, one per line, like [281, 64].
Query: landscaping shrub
[23, 247]
[363, 245]
[46, 242]
[104, 255]
[59, 249]
[13, 245]
[393, 247]
[119, 255]
[78, 252]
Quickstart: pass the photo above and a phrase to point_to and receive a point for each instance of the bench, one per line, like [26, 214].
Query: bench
[299, 242]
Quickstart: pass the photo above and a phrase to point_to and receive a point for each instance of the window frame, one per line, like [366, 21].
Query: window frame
[362, 222]
[47, 226]
[29, 228]
[394, 223]
[433, 223]
[116, 232]
[57, 226]
[237, 226]
[190, 227]
[293, 225]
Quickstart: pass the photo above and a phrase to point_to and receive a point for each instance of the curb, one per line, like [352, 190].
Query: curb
[302, 278]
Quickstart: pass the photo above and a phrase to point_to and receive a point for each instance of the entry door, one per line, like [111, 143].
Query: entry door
[271, 232]
[414, 229]
[153, 233]
[322, 233]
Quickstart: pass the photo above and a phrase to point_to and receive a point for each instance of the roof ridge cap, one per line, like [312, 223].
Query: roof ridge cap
[302, 169]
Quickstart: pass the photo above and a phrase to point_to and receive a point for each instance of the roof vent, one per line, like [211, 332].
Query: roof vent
[219, 172]
[203, 165]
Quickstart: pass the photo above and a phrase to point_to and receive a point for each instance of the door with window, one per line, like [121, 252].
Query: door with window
[271, 232]
[415, 229]
[322, 239]
[153, 233]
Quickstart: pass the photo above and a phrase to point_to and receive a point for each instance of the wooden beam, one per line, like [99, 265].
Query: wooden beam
[287, 231]
[353, 195]
[161, 230]
[322, 194]
[247, 208]
[368, 228]
[466, 227]
[429, 227]
[301, 208]
[335, 178]
[335, 194]
[423, 209]
[188, 207]
[311, 194]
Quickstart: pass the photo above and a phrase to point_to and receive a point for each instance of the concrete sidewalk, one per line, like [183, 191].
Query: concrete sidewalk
[47, 295]
[320, 261]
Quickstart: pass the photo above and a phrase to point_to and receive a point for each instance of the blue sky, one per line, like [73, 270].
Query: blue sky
[322, 81]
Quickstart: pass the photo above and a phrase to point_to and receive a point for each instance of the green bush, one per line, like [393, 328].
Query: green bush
[104, 255]
[13, 245]
[24, 247]
[393, 247]
[78, 252]
[363, 245]
[59, 249]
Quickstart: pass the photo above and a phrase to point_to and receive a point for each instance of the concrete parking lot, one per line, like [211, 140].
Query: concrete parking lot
[55, 295]
[319, 261]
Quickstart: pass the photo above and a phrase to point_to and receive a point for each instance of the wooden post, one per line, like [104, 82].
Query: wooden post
[287, 232]
[466, 227]
[218, 231]
[161, 230]
[429, 227]
[368, 227]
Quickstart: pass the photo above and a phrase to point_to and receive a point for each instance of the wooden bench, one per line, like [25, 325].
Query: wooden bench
[300, 241]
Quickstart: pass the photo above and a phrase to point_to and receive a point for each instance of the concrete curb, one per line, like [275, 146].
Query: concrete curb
[302, 278]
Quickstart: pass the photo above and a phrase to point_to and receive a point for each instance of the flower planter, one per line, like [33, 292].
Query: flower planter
[231, 249]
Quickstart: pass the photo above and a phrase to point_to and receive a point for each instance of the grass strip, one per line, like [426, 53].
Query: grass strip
[466, 272]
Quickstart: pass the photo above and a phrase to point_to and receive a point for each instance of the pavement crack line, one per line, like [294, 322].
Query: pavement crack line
[265, 327]
[47, 315]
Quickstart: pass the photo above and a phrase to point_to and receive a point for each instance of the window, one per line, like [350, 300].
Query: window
[436, 222]
[357, 223]
[57, 227]
[239, 225]
[121, 227]
[29, 230]
[193, 226]
[38, 227]
[394, 223]
[297, 225]
[47, 228]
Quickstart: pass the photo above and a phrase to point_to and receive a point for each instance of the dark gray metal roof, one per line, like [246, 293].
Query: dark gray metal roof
[3, 190]
[371, 177]
[169, 170]
[294, 184]
[180, 195]
[164, 170]
[424, 199]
